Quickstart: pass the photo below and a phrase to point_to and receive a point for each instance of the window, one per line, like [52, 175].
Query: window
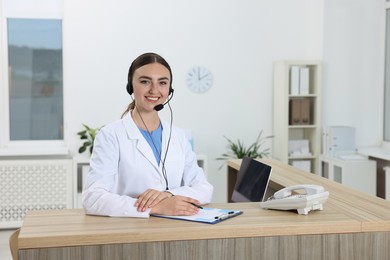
[31, 78]
[35, 79]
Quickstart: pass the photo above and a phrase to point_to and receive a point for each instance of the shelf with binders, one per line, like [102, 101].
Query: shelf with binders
[297, 113]
[302, 111]
[303, 79]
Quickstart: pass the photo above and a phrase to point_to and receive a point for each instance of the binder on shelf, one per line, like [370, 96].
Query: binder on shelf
[295, 112]
[305, 111]
[294, 80]
[299, 111]
[304, 81]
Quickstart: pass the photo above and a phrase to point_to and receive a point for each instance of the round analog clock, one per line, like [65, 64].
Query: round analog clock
[199, 79]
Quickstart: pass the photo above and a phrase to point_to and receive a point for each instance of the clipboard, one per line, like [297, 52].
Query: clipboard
[207, 215]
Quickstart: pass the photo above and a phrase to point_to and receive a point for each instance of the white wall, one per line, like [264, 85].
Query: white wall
[353, 67]
[237, 40]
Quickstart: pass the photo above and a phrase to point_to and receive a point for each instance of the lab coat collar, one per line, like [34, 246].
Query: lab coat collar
[143, 147]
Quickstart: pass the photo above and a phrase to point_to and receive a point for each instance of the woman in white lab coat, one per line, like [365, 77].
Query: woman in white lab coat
[141, 165]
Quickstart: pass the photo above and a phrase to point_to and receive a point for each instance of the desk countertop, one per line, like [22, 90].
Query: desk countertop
[380, 152]
[372, 212]
[346, 211]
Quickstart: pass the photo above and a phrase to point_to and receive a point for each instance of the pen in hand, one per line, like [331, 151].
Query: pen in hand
[198, 206]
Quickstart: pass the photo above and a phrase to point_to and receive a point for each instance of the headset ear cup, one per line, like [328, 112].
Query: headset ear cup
[129, 88]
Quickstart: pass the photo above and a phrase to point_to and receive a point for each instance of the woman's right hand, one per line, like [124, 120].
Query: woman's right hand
[176, 206]
[150, 198]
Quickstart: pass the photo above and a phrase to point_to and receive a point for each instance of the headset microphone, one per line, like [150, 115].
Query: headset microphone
[161, 106]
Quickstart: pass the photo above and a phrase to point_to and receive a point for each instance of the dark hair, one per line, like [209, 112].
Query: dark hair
[142, 60]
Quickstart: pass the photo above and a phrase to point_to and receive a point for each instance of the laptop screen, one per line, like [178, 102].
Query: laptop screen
[252, 181]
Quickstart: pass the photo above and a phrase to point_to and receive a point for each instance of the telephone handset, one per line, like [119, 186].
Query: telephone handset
[309, 189]
[312, 198]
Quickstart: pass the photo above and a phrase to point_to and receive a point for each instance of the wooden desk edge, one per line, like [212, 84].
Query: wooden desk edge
[114, 231]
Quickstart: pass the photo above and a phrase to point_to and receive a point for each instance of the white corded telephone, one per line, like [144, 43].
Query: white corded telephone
[312, 198]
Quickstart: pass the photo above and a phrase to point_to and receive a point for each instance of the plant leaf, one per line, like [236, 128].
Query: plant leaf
[238, 150]
[89, 135]
[82, 149]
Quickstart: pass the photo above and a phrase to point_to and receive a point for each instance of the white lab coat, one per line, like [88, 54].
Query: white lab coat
[123, 166]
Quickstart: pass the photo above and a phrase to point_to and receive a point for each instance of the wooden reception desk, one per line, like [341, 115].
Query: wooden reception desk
[353, 225]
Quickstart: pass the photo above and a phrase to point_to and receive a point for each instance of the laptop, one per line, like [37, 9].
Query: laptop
[252, 181]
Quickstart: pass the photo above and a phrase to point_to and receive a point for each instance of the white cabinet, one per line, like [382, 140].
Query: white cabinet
[380, 154]
[297, 112]
[81, 168]
[358, 174]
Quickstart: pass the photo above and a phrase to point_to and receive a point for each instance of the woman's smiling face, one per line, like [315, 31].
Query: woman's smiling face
[151, 85]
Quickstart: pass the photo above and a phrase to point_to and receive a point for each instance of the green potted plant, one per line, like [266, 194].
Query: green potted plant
[237, 150]
[88, 134]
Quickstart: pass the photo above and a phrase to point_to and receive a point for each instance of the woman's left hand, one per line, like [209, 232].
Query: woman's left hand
[150, 198]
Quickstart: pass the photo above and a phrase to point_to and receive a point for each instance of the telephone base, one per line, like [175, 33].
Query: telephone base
[305, 211]
[302, 203]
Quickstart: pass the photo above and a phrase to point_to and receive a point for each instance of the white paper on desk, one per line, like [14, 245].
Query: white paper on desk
[207, 215]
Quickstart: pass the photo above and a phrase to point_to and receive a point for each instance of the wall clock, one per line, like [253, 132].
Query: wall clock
[199, 79]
